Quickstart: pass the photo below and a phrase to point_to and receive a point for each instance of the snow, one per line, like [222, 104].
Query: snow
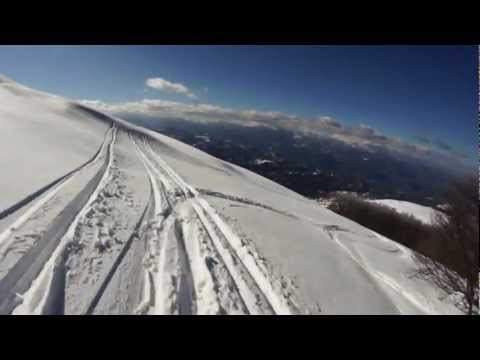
[35, 123]
[180, 231]
[203, 137]
[262, 161]
[423, 213]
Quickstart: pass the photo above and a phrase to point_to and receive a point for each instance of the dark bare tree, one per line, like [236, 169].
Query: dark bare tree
[447, 250]
[456, 264]
[402, 228]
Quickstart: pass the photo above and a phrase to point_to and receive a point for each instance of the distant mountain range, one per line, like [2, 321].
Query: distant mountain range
[310, 165]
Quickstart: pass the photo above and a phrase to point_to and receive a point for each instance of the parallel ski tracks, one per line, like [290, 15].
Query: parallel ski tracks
[173, 256]
[34, 280]
[61, 180]
[254, 288]
[6, 235]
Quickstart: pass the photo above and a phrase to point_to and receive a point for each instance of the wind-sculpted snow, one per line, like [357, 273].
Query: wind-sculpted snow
[104, 217]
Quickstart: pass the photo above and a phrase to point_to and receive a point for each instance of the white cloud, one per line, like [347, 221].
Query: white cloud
[165, 85]
[359, 136]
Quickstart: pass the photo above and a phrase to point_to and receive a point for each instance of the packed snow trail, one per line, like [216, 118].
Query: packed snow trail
[12, 209]
[237, 248]
[168, 251]
[105, 269]
[117, 263]
[254, 288]
[186, 235]
[39, 272]
[172, 285]
[6, 235]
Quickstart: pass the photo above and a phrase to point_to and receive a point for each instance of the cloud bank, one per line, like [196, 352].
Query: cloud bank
[357, 136]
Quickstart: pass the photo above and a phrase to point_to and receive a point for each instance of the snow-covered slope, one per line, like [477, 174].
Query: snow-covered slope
[42, 138]
[98, 216]
[423, 213]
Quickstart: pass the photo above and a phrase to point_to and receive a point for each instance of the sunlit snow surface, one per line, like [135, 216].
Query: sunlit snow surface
[144, 224]
[423, 213]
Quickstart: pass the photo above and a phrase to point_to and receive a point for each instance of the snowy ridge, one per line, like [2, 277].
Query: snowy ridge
[149, 225]
[423, 213]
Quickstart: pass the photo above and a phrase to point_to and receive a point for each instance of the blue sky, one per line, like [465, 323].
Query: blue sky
[417, 93]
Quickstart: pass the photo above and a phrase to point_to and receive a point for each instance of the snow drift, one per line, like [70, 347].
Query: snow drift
[98, 216]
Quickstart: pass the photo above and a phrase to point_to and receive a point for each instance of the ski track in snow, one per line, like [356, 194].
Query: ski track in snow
[19, 205]
[116, 264]
[383, 279]
[45, 293]
[193, 263]
[168, 258]
[6, 236]
[203, 241]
